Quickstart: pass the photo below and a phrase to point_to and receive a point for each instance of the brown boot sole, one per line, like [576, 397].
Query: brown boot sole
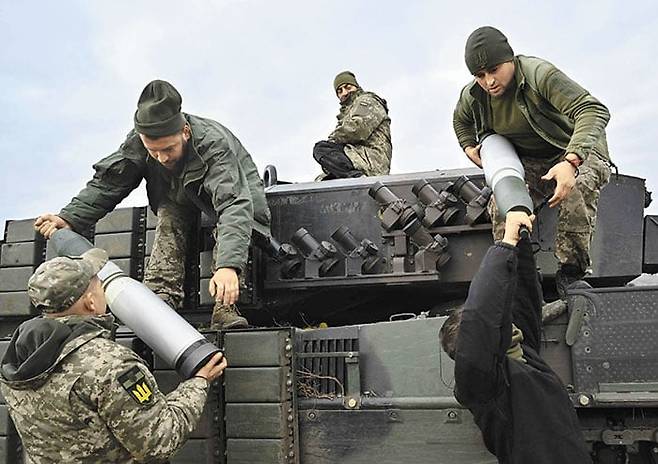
[237, 324]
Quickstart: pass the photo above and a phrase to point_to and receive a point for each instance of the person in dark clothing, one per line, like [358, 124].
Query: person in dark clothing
[518, 402]
[334, 161]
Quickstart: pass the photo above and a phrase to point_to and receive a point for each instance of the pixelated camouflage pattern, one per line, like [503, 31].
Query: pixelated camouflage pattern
[58, 283]
[365, 128]
[165, 272]
[577, 214]
[78, 411]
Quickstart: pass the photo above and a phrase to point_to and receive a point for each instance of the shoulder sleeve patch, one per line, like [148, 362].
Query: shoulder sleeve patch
[135, 383]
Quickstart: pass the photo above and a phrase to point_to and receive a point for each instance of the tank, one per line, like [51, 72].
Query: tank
[344, 363]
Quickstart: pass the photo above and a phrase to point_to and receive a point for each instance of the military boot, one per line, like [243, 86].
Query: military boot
[555, 309]
[227, 317]
[565, 276]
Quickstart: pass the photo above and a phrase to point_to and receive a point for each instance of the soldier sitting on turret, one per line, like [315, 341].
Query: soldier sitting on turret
[361, 143]
[520, 405]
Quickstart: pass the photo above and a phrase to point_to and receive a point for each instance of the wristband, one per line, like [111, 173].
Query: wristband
[575, 165]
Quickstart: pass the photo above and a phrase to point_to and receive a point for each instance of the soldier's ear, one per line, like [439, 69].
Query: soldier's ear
[187, 132]
[89, 302]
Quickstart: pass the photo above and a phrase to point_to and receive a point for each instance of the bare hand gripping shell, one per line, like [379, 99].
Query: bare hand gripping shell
[169, 335]
[505, 175]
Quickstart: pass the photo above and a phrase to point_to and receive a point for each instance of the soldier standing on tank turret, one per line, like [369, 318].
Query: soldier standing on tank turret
[558, 130]
[190, 164]
[360, 145]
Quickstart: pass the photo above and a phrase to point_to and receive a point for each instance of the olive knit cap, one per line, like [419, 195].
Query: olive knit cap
[345, 77]
[486, 47]
[158, 110]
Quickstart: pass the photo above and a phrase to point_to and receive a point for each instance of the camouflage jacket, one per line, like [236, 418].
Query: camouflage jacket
[365, 129]
[219, 178]
[559, 110]
[76, 396]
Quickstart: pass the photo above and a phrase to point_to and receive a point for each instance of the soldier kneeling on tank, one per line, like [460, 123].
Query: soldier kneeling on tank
[77, 396]
[518, 402]
[360, 145]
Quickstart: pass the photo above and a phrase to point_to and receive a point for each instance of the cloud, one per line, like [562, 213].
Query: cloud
[264, 69]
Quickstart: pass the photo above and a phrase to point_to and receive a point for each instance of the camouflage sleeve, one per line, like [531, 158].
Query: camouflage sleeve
[590, 116]
[147, 423]
[463, 123]
[365, 115]
[114, 178]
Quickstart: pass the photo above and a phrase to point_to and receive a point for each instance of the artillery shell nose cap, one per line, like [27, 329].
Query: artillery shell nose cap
[58, 283]
[485, 48]
[159, 110]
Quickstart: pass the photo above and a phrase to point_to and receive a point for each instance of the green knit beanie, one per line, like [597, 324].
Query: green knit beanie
[485, 48]
[158, 110]
[346, 77]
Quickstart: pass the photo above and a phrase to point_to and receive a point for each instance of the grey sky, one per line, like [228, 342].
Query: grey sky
[72, 72]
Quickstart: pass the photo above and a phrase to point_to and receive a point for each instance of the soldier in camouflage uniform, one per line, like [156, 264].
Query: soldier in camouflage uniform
[77, 396]
[190, 164]
[558, 130]
[361, 143]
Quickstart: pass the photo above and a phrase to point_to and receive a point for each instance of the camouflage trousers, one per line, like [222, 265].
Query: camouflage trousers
[165, 272]
[577, 214]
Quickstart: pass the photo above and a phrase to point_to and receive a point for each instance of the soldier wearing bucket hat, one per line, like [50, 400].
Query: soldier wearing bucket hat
[190, 164]
[62, 370]
[558, 130]
[360, 145]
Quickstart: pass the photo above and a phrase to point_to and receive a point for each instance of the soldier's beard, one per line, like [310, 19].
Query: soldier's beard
[348, 98]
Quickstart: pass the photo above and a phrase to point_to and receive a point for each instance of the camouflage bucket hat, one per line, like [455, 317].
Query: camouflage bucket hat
[58, 283]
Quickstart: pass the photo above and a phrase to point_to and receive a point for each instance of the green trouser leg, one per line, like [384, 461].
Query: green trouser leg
[577, 214]
[165, 272]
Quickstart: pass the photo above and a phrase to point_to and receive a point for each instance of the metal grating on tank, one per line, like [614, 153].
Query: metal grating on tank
[323, 367]
[615, 348]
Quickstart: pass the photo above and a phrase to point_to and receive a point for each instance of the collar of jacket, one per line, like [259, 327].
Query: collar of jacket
[195, 166]
[98, 326]
[515, 350]
[104, 326]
